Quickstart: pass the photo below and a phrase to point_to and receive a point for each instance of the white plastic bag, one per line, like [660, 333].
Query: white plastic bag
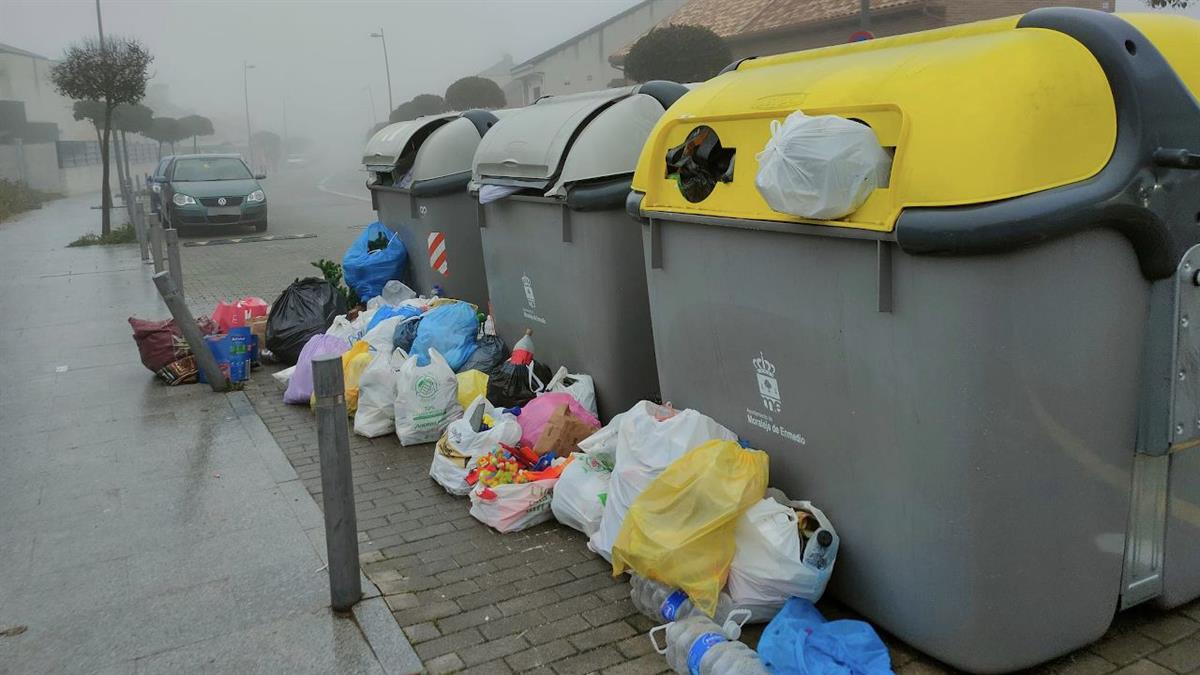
[381, 334]
[376, 414]
[284, 376]
[580, 386]
[580, 493]
[650, 437]
[461, 446]
[820, 167]
[341, 327]
[512, 507]
[426, 399]
[768, 567]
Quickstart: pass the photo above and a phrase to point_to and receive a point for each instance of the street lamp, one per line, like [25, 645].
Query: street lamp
[246, 93]
[386, 67]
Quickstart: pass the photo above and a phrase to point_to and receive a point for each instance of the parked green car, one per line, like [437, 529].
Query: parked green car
[200, 190]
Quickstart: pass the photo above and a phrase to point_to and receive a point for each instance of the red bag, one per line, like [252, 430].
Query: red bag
[160, 342]
[233, 314]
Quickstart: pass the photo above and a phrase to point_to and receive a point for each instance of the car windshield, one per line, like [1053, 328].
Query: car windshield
[217, 168]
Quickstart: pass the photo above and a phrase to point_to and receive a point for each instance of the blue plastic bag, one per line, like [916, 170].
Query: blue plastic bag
[388, 311]
[367, 271]
[799, 641]
[450, 329]
[405, 333]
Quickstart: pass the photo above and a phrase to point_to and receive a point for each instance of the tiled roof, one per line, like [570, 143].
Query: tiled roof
[732, 18]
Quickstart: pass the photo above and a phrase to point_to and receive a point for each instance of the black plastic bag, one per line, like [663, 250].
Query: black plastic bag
[490, 352]
[510, 385]
[304, 309]
[405, 333]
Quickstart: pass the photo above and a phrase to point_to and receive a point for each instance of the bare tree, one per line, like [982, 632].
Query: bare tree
[112, 72]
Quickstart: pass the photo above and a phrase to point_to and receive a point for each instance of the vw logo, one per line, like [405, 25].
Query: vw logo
[221, 201]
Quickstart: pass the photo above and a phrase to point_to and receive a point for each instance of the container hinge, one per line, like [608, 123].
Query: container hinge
[1177, 158]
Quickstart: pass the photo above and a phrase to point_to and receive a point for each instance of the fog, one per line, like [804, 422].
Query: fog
[314, 57]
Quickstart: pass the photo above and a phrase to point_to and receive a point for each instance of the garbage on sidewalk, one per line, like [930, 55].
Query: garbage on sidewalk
[163, 350]
[696, 644]
[451, 329]
[305, 308]
[513, 488]
[239, 313]
[680, 529]
[472, 384]
[536, 414]
[300, 384]
[376, 257]
[799, 641]
[519, 379]
[376, 414]
[426, 398]
[478, 432]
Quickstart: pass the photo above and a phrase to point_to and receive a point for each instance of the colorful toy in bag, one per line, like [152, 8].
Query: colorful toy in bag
[450, 329]
[581, 491]
[509, 498]
[241, 313]
[426, 399]
[367, 266]
[300, 385]
[456, 454]
[680, 530]
[306, 308]
[536, 413]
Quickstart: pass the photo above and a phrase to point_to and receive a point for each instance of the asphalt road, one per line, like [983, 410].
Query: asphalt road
[325, 198]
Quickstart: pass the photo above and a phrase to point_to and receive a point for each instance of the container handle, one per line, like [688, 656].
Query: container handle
[654, 641]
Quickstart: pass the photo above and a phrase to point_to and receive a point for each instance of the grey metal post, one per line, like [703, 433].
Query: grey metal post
[205, 360]
[337, 484]
[139, 228]
[156, 246]
[173, 265]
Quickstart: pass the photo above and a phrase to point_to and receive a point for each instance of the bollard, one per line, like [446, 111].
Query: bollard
[173, 264]
[156, 246]
[337, 484]
[139, 228]
[205, 361]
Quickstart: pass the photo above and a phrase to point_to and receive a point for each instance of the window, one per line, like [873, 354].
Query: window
[215, 168]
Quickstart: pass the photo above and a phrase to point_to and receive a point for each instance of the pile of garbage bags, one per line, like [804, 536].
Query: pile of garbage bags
[233, 334]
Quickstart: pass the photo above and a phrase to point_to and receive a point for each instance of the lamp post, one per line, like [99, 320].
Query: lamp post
[246, 94]
[386, 67]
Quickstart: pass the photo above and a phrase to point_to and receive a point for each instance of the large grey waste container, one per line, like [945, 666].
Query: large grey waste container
[987, 375]
[420, 171]
[562, 257]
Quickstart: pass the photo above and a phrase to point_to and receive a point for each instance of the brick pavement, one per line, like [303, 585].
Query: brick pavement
[472, 600]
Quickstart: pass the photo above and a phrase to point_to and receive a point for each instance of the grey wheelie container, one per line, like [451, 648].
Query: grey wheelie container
[419, 175]
[988, 375]
[562, 257]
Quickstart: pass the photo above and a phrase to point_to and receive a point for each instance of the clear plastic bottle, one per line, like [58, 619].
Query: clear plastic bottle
[663, 603]
[821, 549]
[697, 645]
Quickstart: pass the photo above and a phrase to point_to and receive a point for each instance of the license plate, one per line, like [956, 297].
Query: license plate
[225, 211]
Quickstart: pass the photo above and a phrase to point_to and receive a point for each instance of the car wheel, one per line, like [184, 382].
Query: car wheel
[260, 227]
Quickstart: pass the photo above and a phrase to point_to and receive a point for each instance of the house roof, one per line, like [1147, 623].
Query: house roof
[580, 36]
[9, 49]
[732, 19]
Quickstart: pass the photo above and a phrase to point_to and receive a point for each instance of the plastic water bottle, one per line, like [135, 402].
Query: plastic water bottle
[821, 550]
[664, 604]
[489, 325]
[522, 352]
[696, 645]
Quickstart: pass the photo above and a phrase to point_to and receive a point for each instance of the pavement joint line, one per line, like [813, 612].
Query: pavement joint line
[321, 186]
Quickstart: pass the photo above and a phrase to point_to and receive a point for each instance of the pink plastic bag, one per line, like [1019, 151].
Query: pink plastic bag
[232, 314]
[300, 386]
[537, 412]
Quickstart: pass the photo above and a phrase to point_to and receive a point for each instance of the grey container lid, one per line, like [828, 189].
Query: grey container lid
[389, 143]
[450, 149]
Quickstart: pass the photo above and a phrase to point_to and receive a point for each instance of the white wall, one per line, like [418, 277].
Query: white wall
[34, 164]
[27, 79]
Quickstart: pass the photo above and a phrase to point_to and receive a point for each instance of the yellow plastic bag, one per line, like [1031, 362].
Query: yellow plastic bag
[354, 362]
[680, 530]
[471, 384]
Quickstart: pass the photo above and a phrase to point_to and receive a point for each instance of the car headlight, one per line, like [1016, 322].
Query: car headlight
[181, 199]
[256, 196]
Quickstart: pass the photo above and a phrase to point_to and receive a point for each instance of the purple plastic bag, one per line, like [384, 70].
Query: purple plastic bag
[300, 387]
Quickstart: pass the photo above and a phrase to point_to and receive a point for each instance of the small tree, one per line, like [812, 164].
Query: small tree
[474, 92]
[420, 105]
[113, 73]
[677, 53]
[196, 125]
[163, 130]
[130, 119]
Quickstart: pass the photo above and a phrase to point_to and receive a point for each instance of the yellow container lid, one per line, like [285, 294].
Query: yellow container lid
[973, 114]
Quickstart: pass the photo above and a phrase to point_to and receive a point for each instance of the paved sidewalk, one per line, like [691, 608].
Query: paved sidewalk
[145, 528]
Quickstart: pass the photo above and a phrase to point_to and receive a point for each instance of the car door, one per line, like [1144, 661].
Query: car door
[168, 191]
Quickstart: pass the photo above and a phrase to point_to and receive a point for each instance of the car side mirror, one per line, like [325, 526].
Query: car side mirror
[260, 176]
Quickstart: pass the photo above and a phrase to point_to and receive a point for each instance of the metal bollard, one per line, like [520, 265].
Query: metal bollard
[173, 264]
[156, 247]
[337, 483]
[205, 361]
[139, 228]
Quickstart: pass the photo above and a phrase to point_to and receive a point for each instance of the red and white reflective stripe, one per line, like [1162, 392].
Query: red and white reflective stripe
[437, 253]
